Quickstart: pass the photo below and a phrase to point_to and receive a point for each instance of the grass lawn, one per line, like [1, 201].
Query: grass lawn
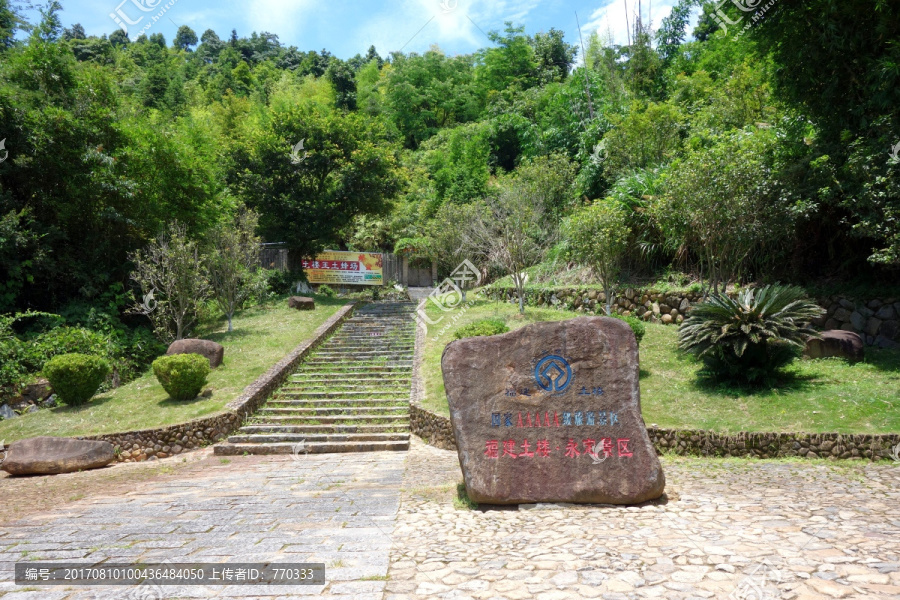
[815, 396]
[262, 336]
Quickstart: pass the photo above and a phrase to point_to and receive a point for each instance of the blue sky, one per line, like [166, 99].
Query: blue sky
[347, 27]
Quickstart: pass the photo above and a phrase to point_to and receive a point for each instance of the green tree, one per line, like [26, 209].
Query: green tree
[511, 63]
[185, 38]
[232, 263]
[348, 167]
[723, 203]
[554, 57]
[597, 236]
[172, 281]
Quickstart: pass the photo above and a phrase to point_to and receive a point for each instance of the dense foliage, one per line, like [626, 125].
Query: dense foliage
[761, 154]
[750, 337]
[76, 377]
[182, 375]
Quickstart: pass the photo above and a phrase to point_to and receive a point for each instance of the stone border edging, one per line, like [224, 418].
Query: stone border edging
[166, 441]
[437, 431]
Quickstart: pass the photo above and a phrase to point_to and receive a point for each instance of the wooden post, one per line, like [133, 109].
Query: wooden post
[404, 270]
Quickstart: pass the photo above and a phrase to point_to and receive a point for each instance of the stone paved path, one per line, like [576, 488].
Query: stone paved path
[730, 529]
[336, 509]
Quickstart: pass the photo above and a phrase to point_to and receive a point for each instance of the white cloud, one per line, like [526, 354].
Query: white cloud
[451, 24]
[610, 22]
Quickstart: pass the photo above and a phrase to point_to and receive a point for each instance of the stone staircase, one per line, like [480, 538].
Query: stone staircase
[350, 395]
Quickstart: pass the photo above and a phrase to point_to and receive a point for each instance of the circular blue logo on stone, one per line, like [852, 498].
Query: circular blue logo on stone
[553, 374]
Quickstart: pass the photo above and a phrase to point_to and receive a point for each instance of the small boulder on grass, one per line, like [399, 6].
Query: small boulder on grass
[182, 375]
[76, 377]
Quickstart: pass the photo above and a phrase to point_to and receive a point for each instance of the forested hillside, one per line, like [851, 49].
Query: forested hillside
[765, 156]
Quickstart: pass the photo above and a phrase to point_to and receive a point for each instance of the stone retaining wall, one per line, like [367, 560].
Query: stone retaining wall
[433, 429]
[437, 431]
[162, 442]
[877, 321]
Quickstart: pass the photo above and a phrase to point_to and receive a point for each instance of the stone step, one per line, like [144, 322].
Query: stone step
[228, 449]
[384, 395]
[334, 403]
[362, 356]
[336, 369]
[308, 378]
[323, 429]
[373, 347]
[337, 420]
[294, 438]
[355, 411]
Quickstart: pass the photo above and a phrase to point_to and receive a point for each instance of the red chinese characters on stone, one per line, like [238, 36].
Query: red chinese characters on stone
[542, 449]
[508, 447]
[492, 449]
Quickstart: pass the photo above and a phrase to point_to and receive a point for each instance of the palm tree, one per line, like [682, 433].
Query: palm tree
[752, 336]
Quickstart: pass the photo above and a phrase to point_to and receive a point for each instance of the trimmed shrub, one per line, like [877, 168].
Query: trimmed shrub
[637, 326]
[326, 291]
[181, 375]
[480, 328]
[76, 377]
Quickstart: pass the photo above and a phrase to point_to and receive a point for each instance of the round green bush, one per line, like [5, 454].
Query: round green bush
[482, 327]
[76, 377]
[637, 326]
[325, 290]
[181, 375]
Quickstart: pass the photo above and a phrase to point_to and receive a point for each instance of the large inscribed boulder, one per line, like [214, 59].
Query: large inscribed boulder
[551, 413]
[52, 455]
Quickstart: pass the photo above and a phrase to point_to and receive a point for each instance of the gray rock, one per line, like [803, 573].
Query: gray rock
[32, 409]
[891, 330]
[682, 308]
[874, 304]
[7, 413]
[883, 342]
[301, 303]
[212, 351]
[51, 455]
[858, 320]
[843, 344]
[872, 326]
[886, 313]
[846, 304]
[842, 315]
[865, 311]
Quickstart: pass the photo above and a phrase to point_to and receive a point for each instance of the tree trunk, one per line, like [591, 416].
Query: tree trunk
[229, 321]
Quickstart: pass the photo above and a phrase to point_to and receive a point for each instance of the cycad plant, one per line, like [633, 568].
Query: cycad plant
[752, 336]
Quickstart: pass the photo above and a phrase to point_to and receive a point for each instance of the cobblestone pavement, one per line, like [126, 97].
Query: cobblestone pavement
[338, 509]
[760, 530]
